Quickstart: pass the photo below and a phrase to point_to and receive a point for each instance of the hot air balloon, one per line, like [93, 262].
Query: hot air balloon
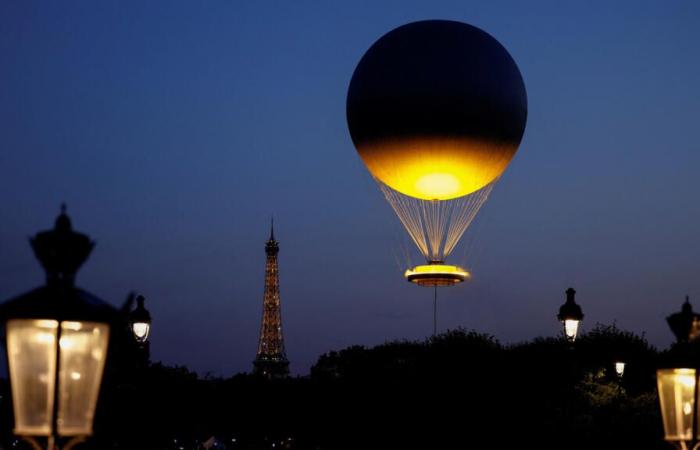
[436, 110]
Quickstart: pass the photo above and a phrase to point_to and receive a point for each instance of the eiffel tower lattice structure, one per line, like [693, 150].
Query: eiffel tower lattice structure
[271, 360]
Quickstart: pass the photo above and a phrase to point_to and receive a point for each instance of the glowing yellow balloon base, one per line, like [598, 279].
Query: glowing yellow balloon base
[436, 274]
[436, 168]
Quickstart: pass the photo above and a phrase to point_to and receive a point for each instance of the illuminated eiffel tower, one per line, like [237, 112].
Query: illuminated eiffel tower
[271, 360]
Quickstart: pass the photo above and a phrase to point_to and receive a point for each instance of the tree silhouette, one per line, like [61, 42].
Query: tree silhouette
[460, 389]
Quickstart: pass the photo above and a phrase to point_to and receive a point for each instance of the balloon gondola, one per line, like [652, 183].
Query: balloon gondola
[436, 274]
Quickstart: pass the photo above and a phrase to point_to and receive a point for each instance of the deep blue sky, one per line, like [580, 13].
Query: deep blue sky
[174, 130]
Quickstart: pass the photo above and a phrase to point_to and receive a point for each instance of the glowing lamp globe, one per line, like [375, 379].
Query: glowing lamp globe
[55, 365]
[620, 368]
[141, 331]
[571, 329]
[436, 109]
[56, 337]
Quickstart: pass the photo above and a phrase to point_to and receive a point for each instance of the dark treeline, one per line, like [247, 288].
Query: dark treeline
[461, 389]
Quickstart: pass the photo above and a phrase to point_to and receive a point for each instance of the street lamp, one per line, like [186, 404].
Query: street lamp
[570, 315]
[56, 337]
[677, 385]
[140, 321]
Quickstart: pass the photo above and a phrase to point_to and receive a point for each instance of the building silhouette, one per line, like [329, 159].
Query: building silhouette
[271, 360]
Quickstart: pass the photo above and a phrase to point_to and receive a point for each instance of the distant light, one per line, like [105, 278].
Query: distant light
[141, 330]
[620, 368]
[571, 329]
[140, 319]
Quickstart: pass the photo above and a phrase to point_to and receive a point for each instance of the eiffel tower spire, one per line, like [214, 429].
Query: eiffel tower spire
[271, 360]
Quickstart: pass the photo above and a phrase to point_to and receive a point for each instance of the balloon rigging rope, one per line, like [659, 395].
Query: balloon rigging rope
[465, 211]
[436, 226]
[411, 221]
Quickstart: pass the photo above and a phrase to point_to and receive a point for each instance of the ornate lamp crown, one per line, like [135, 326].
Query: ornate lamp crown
[570, 310]
[140, 314]
[685, 324]
[61, 251]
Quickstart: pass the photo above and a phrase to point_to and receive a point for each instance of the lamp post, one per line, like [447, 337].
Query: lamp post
[570, 315]
[140, 321]
[56, 337]
[620, 373]
[678, 384]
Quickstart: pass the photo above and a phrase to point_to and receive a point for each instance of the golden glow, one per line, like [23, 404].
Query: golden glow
[75, 326]
[436, 275]
[437, 269]
[32, 358]
[439, 185]
[436, 168]
[45, 337]
[31, 351]
[677, 398]
[83, 345]
[50, 324]
[686, 377]
[66, 343]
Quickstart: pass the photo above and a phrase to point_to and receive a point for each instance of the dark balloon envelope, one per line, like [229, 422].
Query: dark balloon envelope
[436, 109]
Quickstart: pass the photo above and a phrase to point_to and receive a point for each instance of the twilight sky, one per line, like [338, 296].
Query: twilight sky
[174, 130]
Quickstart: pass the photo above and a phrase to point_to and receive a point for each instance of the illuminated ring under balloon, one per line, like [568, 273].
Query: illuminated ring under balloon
[436, 274]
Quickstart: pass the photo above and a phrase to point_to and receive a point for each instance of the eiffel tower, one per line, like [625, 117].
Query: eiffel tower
[271, 360]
